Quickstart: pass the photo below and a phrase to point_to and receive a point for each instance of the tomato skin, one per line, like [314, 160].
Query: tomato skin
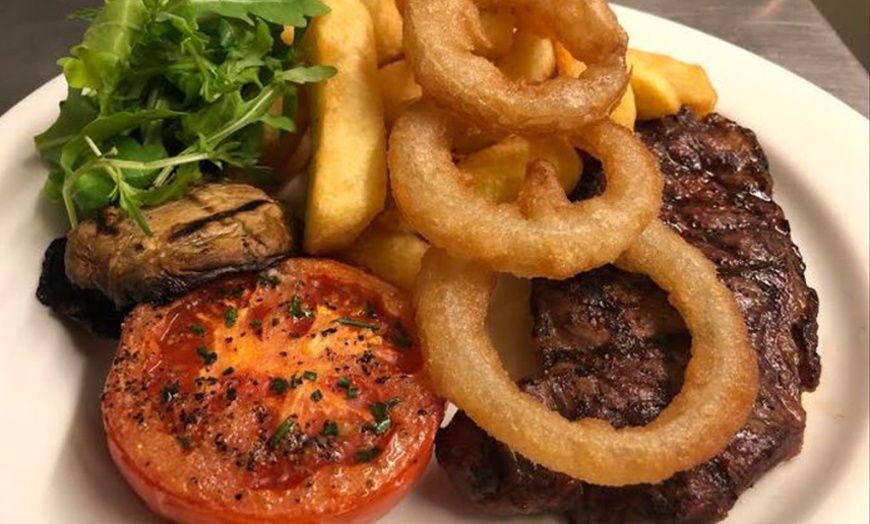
[195, 454]
[180, 510]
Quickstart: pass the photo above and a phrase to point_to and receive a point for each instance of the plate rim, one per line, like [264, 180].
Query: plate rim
[36, 99]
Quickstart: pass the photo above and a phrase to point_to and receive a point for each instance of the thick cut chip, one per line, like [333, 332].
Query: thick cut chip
[348, 179]
[625, 114]
[398, 88]
[387, 22]
[530, 58]
[499, 171]
[392, 255]
[663, 84]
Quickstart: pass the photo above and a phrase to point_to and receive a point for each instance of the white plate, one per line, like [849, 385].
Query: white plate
[54, 467]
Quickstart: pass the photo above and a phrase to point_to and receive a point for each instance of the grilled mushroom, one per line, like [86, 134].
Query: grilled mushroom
[215, 229]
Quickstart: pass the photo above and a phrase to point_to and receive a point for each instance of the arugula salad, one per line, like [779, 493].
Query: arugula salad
[164, 92]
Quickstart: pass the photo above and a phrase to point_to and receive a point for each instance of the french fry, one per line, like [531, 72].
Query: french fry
[348, 174]
[498, 26]
[654, 95]
[387, 22]
[394, 256]
[499, 171]
[566, 64]
[530, 58]
[624, 114]
[392, 220]
[398, 88]
[689, 83]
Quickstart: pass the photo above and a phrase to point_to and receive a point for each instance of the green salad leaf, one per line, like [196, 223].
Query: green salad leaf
[165, 92]
[274, 11]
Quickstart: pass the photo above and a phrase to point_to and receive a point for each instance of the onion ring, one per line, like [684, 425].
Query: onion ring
[440, 35]
[439, 202]
[720, 385]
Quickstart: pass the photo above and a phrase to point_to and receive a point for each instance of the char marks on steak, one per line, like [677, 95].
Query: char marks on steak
[613, 348]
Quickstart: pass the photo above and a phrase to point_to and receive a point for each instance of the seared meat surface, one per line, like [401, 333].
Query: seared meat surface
[214, 230]
[613, 348]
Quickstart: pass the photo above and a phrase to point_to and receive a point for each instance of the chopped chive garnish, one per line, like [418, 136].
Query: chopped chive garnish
[281, 432]
[402, 338]
[317, 395]
[345, 384]
[344, 321]
[330, 429]
[278, 385]
[295, 381]
[382, 426]
[184, 442]
[367, 455]
[197, 330]
[268, 280]
[229, 371]
[170, 392]
[257, 325]
[296, 308]
[231, 317]
[380, 411]
[371, 311]
[309, 376]
[208, 357]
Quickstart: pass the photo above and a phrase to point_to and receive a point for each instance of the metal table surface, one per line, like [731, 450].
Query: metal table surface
[792, 33]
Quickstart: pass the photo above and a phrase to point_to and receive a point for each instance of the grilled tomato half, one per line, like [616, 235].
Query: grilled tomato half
[292, 395]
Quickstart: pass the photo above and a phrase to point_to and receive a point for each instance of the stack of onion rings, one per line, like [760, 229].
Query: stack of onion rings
[439, 37]
[545, 235]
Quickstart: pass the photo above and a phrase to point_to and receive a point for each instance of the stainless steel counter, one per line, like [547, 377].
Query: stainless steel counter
[792, 33]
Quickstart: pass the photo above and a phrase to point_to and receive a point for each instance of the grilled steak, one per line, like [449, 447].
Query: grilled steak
[214, 230]
[613, 348]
